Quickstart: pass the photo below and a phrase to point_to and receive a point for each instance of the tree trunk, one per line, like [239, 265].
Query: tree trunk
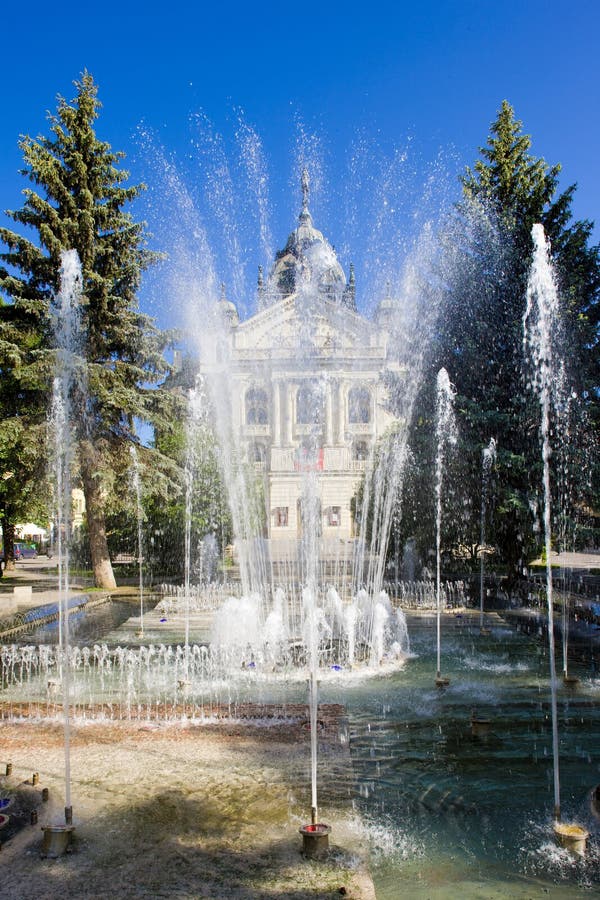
[96, 523]
[8, 538]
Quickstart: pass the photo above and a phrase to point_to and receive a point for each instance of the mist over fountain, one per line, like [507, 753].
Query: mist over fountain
[311, 599]
[315, 602]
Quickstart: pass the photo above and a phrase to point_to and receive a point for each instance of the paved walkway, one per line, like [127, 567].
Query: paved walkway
[567, 560]
[38, 574]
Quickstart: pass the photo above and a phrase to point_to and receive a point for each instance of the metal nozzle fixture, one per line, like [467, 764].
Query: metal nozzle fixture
[35, 778]
[45, 795]
[313, 815]
[68, 815]
[9, 768]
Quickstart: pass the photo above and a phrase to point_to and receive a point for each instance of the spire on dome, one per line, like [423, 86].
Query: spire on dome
[305, 217]
[305, 183]
[227, 309]
[349, 296]
[260, 290]
[309, 257]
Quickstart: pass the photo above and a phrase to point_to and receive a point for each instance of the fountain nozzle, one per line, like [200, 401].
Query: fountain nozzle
[313, 815]
[68, 815]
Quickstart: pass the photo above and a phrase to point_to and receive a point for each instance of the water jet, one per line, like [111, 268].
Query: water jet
[445, 436]
[541, 339]
[488, 458]
[595, 801]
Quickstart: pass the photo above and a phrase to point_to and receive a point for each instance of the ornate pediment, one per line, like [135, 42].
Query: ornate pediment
[326, 328]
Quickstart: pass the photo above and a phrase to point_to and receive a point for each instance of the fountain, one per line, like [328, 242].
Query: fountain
[137, 486]
[320, 592]
[488, 459]
[329, 613]
[445, 437]
[57, 838]
[564, 467]
[540, 335]
[313, 617]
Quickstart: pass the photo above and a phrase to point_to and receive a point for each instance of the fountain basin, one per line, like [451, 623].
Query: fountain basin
[57, 840]
[315, 840]
[571, 836]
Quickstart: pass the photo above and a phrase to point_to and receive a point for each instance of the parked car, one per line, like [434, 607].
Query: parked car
[24, 551]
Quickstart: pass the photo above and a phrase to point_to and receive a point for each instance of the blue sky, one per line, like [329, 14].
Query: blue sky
[426, 76]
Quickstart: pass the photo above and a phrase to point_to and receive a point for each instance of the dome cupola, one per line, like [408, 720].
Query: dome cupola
[227, 310]
[308, 261]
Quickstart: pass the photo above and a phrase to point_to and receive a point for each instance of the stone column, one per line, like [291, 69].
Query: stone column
[329, 415]
[276, 427]
[341, 414]
[289, 414]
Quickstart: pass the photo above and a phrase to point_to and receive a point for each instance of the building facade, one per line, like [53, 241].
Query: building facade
[308, 392]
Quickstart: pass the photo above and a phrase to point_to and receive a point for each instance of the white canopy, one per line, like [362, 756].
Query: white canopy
[32, 531]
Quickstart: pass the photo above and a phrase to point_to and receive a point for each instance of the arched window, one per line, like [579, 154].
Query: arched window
[360, 450]
[257, 452]
[309, 406]
[359, 406]
[257, 407]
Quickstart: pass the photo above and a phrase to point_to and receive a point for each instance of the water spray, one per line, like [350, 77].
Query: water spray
[540, 332]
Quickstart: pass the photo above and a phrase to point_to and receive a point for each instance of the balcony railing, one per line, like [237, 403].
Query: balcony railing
[332, 459]
[257, 430]
[360, 427]
[243, 353]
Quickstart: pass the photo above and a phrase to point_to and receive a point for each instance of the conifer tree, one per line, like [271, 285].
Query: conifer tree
[22, 435]
[486, 259]
[79, 200]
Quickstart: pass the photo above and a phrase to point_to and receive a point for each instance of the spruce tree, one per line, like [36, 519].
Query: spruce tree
[512, 190]
[23, 433]
[487, 255]
[79, 200]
